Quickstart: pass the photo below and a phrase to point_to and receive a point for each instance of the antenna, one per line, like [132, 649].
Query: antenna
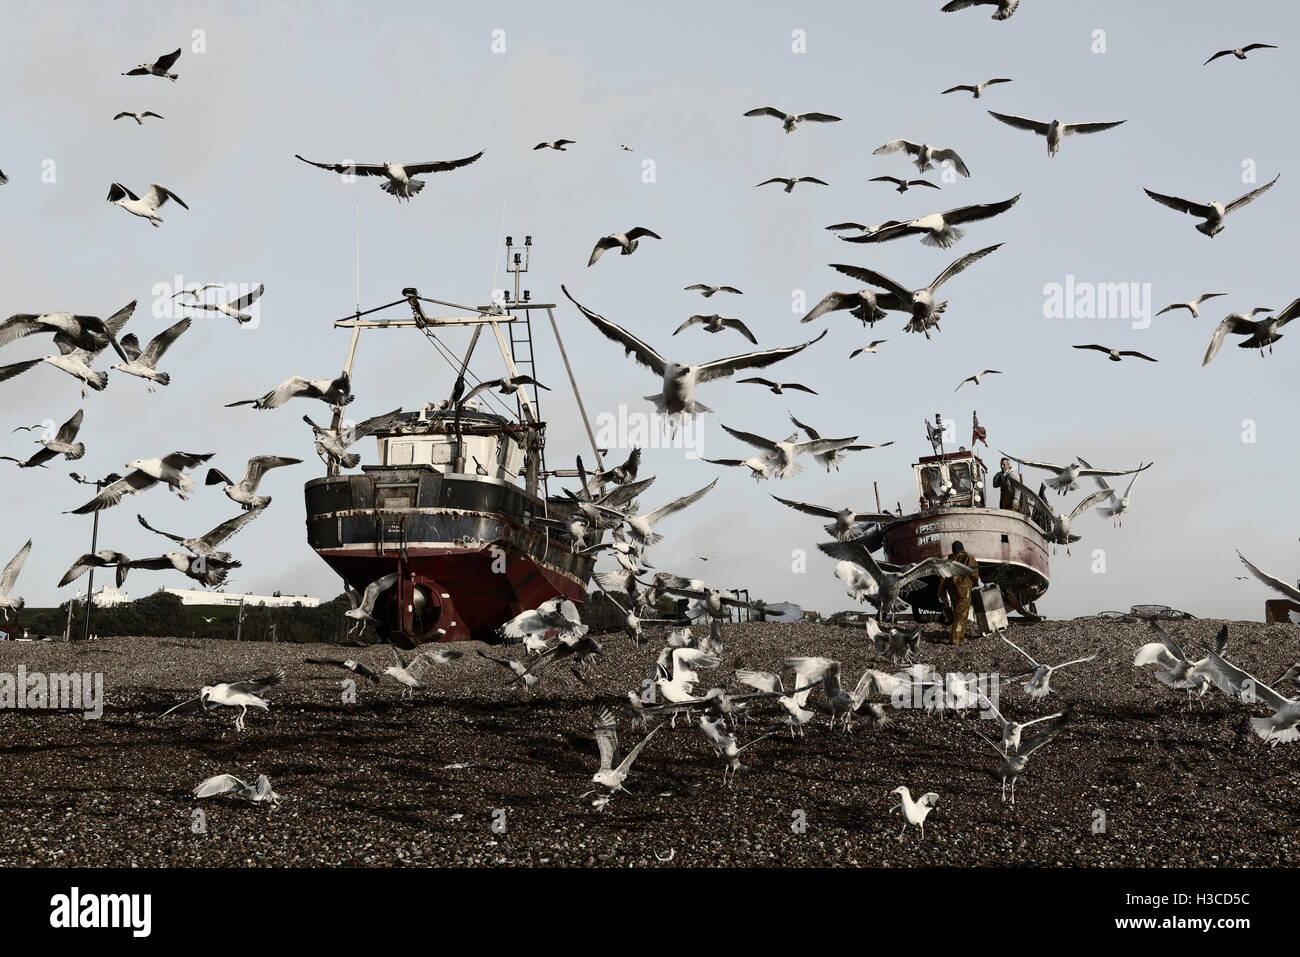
[358, 202]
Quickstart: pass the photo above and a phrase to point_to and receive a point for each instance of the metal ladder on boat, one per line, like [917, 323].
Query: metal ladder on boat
[521, 350]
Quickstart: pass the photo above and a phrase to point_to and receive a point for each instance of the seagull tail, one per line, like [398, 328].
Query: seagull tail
[944, 239]
[1209, 229]
[76, 452]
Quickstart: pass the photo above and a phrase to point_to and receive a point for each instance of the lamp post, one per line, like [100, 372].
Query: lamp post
[94, 543]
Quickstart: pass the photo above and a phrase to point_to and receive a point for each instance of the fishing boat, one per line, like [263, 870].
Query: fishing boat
[453, 502]
[1011, 545]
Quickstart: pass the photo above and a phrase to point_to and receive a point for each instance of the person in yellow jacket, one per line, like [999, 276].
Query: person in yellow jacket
[959, 590]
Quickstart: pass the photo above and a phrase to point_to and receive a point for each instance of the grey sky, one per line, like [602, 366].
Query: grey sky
[412, 82]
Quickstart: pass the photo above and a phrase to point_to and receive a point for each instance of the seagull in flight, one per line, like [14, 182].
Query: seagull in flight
[716, 323]
[333, 443]
[976, 377]
[401, 181]
[206, 545]
[677, 396]
[1013, 762]
[243, 492]
[1055, 131]
[506, 385]
[8, 601]
[1003, 12]
[558, 614]
[231, 694]
[1281, 727]
[873, 347]
[333, 392]
[1118, 505]
[234, 309]
[1039, 683]
[1011, 730]
[158, 67]
[138, 117]
[363, 603]
[926, 155]
[885, 588]
[1277, 584]
[146, 473]
[976, 89]
[1177, 670]
[144, 362]
[914, 811]
[790, 181]
[1259, 333]
[410, 675]
[641, 526]
[833, 457]
[71, 332]
[558, 145]
[612, 772]
[903, 184]
[920, 302]
[60, 444]
[1066, 477]
[1059, 534]
[1191, 305]
[146, 208]
[356, 667]
[847, 521]
[1117, 355]
[778, 388]
[780, 455]
[790, 120]
[1240, 52]
[936, 229]
[705, 290]
[1212, 212]
[867, 305]
[626, 242]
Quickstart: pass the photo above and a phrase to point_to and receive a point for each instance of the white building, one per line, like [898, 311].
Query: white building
[191, 596]
[109, 597]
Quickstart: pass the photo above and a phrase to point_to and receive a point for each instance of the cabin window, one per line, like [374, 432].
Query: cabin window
[400, 453]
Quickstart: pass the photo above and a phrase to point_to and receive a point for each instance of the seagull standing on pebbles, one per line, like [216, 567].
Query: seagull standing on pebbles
[232, 694]
[914, 812]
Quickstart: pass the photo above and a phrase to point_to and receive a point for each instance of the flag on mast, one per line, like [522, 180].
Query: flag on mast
[978, 432]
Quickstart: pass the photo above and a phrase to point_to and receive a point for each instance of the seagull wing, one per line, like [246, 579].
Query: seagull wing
[165, 62]
[762, 680]
[643, 353]
[259, 465]
[857, 554]
[174, 538]
[894, 146]
[1275, 583]
[605, 730]
[942, 567]
[750, 438]
[111, 494]
[222, 531]
[357, 169]
[1234, 324]
[862, 274]
[663, 511]
[221, 784]
[10, 574]
[1069, 129]
[377, 588]
[158, 195]
[949, 155]
[820, 510]
[68, 430]
[767, 111]
[740, 327]
[440, 166]
[1182, 205]
[1098, 496]
[970, 214]
[1027, 655]
[1022, 123]
[257, 685]
[961, 263]
[722, 368]
[160, 343]
[626, 763]
[1241, 201]
[243, 302]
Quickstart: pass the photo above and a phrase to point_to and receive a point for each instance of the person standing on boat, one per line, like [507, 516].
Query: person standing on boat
[1006, 480]
[959, 590]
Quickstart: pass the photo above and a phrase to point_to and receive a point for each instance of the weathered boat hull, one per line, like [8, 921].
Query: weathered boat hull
[467, 552]
[1011, 549]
